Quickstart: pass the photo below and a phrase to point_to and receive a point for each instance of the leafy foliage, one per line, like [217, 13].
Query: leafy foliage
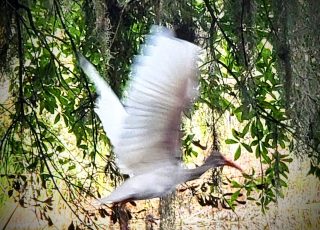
[242, 80]
[50, 98]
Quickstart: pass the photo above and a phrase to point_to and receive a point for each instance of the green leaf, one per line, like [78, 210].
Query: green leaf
[57, 119]
[283, 167]
[264, 148]
[265, 156]
[194, 153]
[289, 160]
[60, 148]
[235, 184]
[282, 144]
[83, 146]
[63, 100]
[254, 143]
[231, 141]
[259, 124]
[269, 170]
[282, 183]
[235, 196]
[253, 130]
[235, 133]
[247, 147]
[237, 153]
[258, 151]
[245, 129]
[71, 167]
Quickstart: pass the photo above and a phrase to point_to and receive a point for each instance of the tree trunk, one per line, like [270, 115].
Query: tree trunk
[167, 212]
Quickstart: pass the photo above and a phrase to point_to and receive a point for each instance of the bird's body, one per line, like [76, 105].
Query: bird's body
[145, 129]
[153, 184]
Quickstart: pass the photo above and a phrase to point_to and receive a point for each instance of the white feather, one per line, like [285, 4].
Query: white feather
[145, 132]
[164, 82]
[108, 106]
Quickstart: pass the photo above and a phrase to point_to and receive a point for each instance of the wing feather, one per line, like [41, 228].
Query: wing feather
[145, 132]
[108, 106]
[164, 82]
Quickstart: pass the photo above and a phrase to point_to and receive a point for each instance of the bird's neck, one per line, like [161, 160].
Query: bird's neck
[192, 174]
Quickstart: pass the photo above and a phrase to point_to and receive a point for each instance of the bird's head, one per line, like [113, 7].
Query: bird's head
[216, 159]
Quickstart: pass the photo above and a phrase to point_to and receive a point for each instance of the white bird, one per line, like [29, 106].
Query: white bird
[145, 129]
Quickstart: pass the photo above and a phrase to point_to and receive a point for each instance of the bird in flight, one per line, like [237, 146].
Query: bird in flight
[144, 129]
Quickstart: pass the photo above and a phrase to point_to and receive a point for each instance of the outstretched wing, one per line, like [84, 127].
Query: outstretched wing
[164, 82]
[108, 107]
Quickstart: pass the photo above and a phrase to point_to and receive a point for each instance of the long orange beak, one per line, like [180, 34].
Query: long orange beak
[232, 164]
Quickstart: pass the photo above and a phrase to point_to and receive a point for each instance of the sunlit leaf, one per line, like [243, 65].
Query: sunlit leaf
[247, 147]
[231, 141]
[237, 153]
[57, 119]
